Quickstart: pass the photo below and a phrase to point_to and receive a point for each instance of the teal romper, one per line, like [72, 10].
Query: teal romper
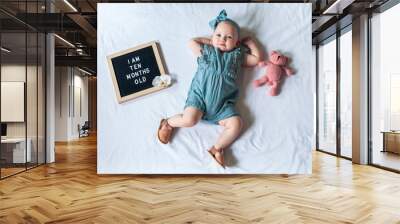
[213, 89]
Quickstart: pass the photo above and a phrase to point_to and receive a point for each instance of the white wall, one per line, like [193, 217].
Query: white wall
[61, 103]
[34, 124]
[79, 117]
[12, 101]
[16, 72]
[69, 82]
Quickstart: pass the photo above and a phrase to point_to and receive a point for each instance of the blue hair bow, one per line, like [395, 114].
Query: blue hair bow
[222, 17]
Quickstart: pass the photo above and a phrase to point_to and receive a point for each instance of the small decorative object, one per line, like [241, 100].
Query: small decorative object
[276, 68]
[133, 71]
[162, 81]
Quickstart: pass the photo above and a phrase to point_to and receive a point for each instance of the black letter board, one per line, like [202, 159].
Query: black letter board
[134, 69]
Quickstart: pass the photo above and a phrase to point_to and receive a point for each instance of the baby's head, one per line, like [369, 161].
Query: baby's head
[226, 33]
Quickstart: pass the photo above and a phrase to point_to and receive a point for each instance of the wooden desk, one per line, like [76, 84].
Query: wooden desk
[391, 141]
[16, 147]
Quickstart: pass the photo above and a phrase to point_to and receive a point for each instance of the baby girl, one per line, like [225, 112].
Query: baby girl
[213, 91]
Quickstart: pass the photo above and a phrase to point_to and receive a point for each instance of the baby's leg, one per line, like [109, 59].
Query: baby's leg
[232, 127]
[189, 118]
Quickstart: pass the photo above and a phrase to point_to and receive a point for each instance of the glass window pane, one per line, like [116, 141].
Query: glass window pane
[385, 89]
[346, 94]
[31, 100]
[13, 87]
[327, 97]
[23, 89]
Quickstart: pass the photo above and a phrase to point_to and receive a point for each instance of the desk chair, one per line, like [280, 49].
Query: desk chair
[84, 130]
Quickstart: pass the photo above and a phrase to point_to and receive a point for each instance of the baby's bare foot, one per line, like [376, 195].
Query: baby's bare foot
[218, 155]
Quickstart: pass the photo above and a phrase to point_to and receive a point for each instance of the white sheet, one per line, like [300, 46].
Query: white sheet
[278, 130]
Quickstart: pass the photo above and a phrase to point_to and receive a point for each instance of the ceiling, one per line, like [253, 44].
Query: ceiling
[76, 22]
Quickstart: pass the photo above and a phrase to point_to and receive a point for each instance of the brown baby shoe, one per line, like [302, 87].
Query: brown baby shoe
[164, 131]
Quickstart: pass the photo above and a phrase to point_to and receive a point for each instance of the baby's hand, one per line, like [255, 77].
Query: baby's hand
[255, 54]
[262, 63]
[246, 39]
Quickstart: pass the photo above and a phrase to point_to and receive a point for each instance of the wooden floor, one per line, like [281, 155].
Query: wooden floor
[387, 159]
[70, 191]
[10, 171]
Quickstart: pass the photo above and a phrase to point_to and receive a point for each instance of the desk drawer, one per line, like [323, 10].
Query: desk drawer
[15, 152]
[392, 142]
[19, 154]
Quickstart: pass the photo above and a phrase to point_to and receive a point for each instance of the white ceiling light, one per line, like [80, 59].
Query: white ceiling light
[5, 50]
[65, 41]
[338, 6]
[70, 5]
[84, 71]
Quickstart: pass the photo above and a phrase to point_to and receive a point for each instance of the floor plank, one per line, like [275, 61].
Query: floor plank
[70, 191]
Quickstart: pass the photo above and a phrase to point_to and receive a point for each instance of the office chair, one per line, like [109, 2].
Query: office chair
[84, 130]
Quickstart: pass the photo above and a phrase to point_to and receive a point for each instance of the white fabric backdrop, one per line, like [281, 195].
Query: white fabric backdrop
[277, 130]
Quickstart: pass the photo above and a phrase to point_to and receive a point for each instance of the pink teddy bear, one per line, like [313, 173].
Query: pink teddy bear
[276, 68]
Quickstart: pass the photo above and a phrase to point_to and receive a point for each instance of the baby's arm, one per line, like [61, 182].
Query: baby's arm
[255, 55]
[195, 44]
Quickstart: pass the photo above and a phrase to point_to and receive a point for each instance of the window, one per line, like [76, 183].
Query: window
[385, 89]
[327, 97]
[22, 77]
[346, 94]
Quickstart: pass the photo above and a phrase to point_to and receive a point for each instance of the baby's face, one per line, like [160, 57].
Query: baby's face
[225, 36]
